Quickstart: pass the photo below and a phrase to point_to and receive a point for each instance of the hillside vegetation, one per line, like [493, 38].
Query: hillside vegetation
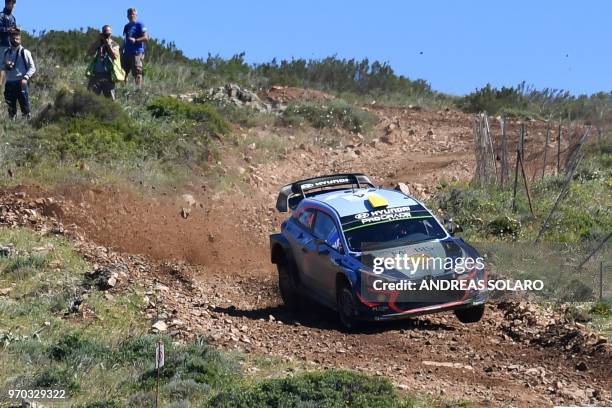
[146, 129]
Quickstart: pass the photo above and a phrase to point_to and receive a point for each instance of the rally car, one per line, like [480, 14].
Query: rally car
[342, 229]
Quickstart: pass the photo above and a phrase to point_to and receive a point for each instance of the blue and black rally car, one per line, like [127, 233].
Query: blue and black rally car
[372, 253]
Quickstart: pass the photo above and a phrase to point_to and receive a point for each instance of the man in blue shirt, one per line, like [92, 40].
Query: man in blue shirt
[7, 24]
[135, 37]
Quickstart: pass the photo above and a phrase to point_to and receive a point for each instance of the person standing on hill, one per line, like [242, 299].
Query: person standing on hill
[7, 23]
[135, 37]
[105, 51]
[19, 68]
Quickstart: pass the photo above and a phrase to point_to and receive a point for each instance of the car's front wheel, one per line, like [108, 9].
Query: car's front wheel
[470, 314]
[287, 285]
[347, 308]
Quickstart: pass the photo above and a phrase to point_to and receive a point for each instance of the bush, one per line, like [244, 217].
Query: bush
[318, 389]
[57, 378]
[80, 103]
[524, 100]
[336, 114]
[80, 125]
[342, 75]
[602, 309]
[76, 350]
[103, 404]
[198, 362]
[165, 106]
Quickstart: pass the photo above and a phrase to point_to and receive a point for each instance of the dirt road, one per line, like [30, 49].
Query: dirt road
[204, 257]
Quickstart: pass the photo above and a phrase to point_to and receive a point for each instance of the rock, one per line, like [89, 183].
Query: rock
[232, 94]
[448, 364]
[582, 366]
[161, 288]
[403, 188]
[189, 200]
[160, 326]
[104, 278]
[5, 291]
[5, 251]
[389, 139]
[185, 213]
[25, 403]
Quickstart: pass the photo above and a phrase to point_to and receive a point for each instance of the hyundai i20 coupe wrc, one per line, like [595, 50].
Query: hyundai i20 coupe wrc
[344, 244]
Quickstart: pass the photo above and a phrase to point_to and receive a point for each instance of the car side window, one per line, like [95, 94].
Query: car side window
[325, 228]
[306, 218]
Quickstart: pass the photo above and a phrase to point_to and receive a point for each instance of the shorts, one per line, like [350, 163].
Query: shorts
[133, 64]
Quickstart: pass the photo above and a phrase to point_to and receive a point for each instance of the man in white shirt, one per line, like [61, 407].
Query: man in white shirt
[19, 68]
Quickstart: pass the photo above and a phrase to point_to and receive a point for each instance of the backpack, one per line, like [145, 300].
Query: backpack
[22, 55]
[114, 65]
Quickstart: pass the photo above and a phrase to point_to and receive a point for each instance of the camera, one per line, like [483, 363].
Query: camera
[9, 65]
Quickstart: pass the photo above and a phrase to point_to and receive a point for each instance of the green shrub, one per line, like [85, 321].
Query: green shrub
[526, 101]
[76, 350]
[197, 361]
[80, 103]
[504, 225]
[342, 75]
[33, 262]
[165, 106]
[57, 378]
[602, 309]
[102, 404]
[335, 114]
[321, 389]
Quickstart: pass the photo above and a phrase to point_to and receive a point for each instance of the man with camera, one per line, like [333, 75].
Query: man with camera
[7, 23]
[19, 68]
[105, 51]
[136, 36]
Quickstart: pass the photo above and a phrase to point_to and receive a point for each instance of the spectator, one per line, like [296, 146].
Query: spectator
[19, 67]
[7, 23]
[101, 72]
[136, 36]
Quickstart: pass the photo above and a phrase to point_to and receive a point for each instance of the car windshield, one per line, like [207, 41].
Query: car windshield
[393, 233]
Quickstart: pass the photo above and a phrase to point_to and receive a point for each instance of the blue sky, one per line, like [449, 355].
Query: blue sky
[558, 44]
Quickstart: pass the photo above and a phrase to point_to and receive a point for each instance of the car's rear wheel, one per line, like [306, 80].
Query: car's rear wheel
[347, 308]
[470, 314]
[288, 287]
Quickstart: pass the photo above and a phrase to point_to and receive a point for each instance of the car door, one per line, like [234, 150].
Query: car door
[301, 239]
[327, 259]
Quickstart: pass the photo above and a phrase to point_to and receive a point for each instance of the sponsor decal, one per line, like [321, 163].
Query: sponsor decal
[323, 183]
[386, 214]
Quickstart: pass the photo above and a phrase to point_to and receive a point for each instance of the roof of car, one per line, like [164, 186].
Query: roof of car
[349, 202]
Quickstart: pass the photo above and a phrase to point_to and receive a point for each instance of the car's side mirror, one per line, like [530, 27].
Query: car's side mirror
[452, 227]
[322, 246]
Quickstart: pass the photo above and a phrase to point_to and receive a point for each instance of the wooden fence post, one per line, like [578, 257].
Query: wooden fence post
[504, 153]
[545, 151]
[559, 150]
[516, 167]
[526, 185]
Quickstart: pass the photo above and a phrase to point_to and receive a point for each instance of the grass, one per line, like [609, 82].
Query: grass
[506, 238]
[333, 114]
[103, 355]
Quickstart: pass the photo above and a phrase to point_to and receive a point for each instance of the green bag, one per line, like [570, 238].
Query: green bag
[113, 65]
[117, 72]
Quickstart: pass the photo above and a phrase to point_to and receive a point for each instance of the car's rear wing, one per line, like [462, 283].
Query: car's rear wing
[291, 194]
